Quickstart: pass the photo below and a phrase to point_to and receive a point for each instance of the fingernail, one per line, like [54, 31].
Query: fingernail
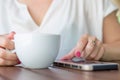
[19, 62]
[78, 54]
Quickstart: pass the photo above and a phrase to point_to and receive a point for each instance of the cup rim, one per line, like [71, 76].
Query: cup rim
[30, 33]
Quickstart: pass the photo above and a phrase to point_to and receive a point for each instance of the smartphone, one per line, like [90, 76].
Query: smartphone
[87, 65]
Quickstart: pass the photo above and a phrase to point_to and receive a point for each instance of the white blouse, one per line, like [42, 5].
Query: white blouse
[69, 18]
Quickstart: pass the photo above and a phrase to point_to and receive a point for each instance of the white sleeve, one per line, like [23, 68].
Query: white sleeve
[108, 7]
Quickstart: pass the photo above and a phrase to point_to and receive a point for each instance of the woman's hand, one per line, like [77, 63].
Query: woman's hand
[88, 47]
[7, 58]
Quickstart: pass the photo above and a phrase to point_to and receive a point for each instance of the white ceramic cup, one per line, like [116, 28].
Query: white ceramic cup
[37, 50]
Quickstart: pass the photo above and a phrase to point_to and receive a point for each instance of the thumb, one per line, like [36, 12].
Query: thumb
[11, 35]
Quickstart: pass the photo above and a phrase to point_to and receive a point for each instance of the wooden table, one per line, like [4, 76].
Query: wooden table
[19, 73]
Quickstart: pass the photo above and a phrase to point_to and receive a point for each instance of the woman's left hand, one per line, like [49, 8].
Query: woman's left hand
[88, 47]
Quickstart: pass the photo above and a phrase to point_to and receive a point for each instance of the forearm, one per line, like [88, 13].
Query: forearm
[111, 52]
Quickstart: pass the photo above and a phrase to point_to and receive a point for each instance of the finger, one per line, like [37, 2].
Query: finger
[7, 55]
[6, 43]
[70, 55]
[81, 44]
[95, 51]
[11, 35]
[100, 54]
[4, 62]
[91, 45]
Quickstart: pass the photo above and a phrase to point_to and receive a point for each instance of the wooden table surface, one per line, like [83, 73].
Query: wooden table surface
[55, 73]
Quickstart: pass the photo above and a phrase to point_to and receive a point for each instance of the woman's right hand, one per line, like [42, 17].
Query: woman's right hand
[7, 58]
